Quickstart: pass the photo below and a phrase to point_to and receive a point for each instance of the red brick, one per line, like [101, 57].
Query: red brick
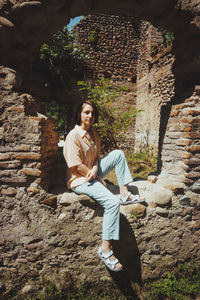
[174, 113]
[191, 120]
[13, 179]
[193, 148]
[5, 173]
[39, 119]
[187, 120]
[4, 156]
[38, 180]
[21, 148]
[30, 172]
[192, 112]
[34, 246]
[50, 201]
[189, 135]
[184, 105]
[16, 108]
[15, 148]
[183, 142]
[31, 156]
[193, 175]
[10, 164]
[192, 161]
[187, 129]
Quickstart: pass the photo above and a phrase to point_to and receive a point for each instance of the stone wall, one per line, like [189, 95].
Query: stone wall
[111, 43]
[155, 88]
[53, 239]
[29, 149]
[60, 245]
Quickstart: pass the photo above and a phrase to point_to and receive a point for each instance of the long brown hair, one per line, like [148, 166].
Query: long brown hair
[79, 110]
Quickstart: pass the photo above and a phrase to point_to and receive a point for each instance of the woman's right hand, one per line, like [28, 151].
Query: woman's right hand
[91, 175]
[101, 180]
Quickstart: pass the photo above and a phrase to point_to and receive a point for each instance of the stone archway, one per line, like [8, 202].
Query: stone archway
[23, 27]
[21, 36]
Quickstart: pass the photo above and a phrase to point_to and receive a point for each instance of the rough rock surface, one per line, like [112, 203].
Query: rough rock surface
[59, 243]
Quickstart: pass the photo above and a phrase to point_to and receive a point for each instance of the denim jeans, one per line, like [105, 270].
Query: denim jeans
[111, 204]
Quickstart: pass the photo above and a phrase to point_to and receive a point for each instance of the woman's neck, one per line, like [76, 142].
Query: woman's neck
[87, 128]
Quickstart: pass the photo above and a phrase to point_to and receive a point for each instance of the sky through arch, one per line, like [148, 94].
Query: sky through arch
[73, 22]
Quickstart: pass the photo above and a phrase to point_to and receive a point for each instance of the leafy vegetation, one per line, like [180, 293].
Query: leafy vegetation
[93, 37]
[168, 39]
[62, 56]
[78, 291]
[183, 284]
[62, 59]
[59, 112]
[142, 163]
[112, 123]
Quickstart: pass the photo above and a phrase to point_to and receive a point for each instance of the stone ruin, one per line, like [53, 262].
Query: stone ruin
[55, 235]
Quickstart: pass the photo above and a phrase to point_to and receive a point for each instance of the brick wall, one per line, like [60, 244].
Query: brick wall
[28, 144]
[181, 147]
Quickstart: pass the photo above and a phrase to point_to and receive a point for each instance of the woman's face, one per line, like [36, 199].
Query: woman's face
[87, 116]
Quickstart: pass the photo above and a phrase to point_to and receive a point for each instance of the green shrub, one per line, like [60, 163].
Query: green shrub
[183, 284]
[142, 163]
[112, 123]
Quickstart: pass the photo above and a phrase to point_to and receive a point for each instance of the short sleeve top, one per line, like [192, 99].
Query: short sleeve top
[80, 148]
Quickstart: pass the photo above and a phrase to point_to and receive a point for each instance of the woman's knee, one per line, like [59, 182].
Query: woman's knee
[119, 153]
[113, 205]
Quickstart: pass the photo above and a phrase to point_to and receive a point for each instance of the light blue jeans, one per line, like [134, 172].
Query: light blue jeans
[111, 204]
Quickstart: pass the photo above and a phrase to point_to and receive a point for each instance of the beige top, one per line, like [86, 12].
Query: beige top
[80, 148]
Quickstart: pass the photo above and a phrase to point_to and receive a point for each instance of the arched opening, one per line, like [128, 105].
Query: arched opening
[165, 235]
[26, 48]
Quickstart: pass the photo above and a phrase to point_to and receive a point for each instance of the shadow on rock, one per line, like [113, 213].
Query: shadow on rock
[127, 251]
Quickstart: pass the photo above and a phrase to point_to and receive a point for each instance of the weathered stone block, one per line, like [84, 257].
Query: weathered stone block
[172, 184]
[196, 187]
[13, 179]
[188, 111]
[67, 198]
[31, 156]
[192, 161]
[50, 201]
[10, 164]
[183, 142]
[152, 178]
[33, 190]
[5, 156]
[193, 175]
[174, 113]
[30, 172]
[5, 173]
[87, 201]
[137, 210]
[5, 22]
[161, 196]
[162, 211]
[9, 191]
[195, 148]
[18, 109]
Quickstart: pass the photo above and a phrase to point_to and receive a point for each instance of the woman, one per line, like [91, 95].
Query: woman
[86, 172]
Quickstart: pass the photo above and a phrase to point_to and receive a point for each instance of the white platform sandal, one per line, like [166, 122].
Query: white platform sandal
[124, 199]
[105, 257]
